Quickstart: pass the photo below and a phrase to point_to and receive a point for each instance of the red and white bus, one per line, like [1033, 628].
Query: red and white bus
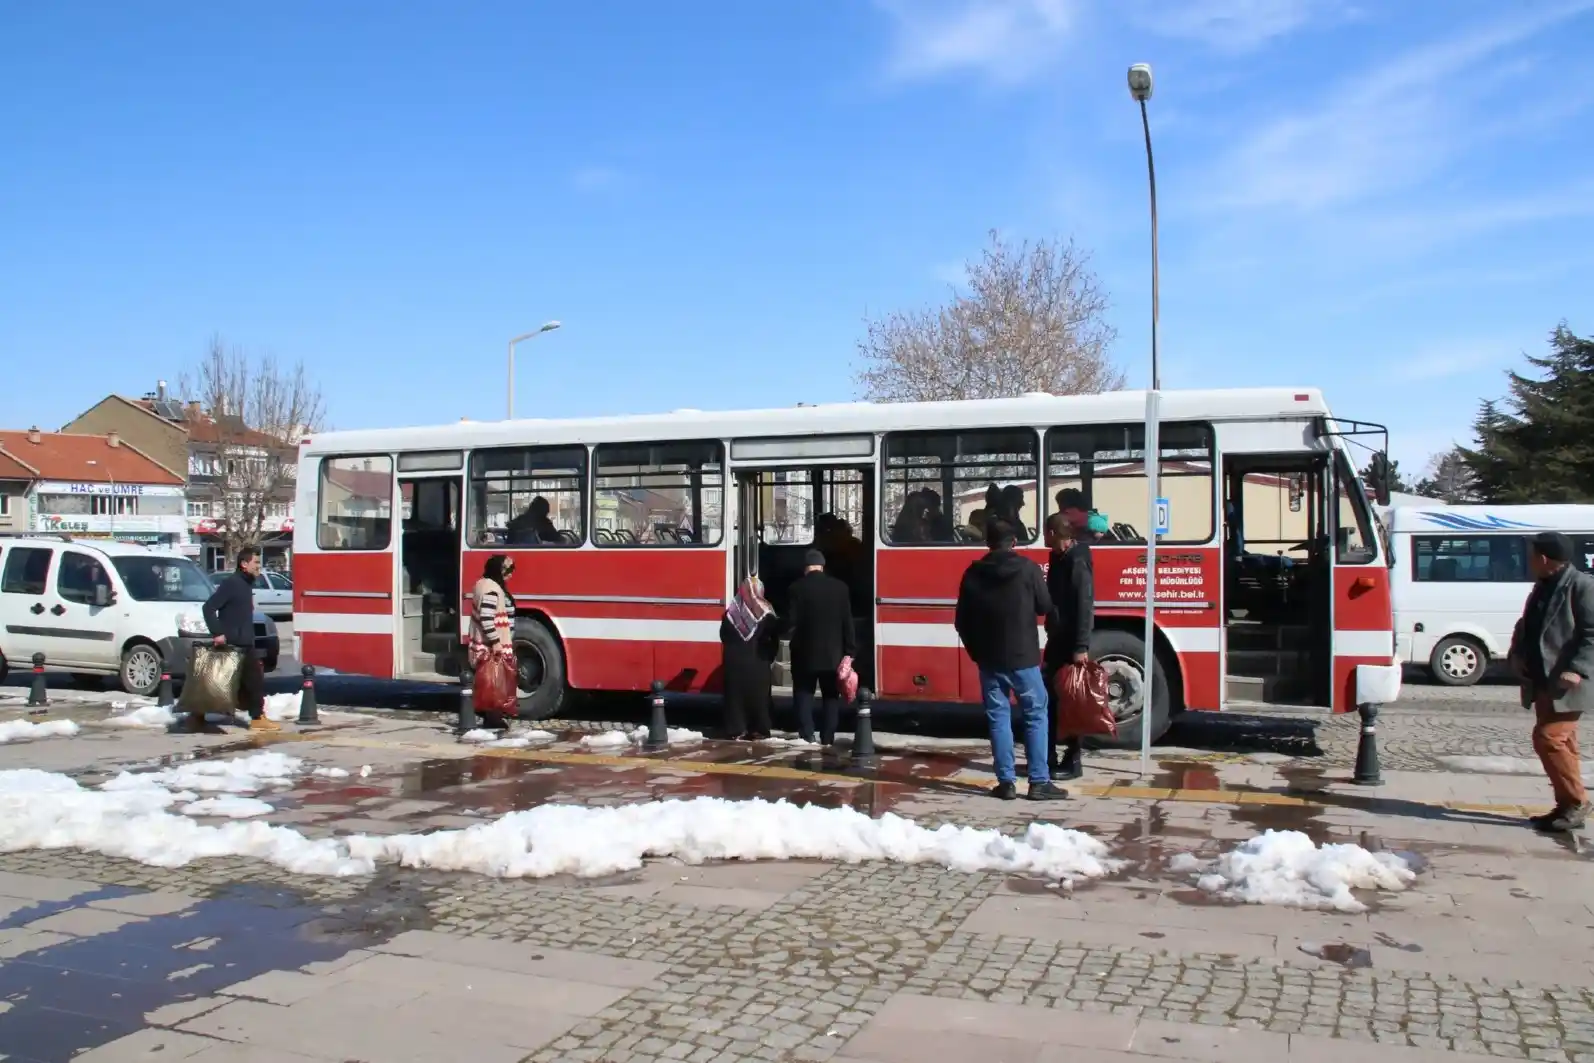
[629, 533]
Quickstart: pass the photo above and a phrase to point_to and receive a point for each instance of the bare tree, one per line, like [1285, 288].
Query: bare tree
[1032, 318]
[245, 416]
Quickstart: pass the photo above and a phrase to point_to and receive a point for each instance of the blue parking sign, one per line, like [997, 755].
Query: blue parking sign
[1164, 516]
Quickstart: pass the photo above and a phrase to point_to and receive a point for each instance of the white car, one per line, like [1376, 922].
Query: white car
[274, 594]
[105, 608]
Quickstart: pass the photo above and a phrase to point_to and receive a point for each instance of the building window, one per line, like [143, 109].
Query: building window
[5, 504]
[1107, 464]
[528, 496]
[199, 509]
[1469, 559]
[114, 505]
[942, 487]
[658, 494]
[356, 507]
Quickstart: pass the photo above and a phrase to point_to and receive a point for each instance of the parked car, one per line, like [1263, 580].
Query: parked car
[105, 608]
[274, 594]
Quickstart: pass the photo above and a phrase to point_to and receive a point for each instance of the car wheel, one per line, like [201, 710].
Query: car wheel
[1123, 655]
[1458, 661]
[541, 665]
[141, 669]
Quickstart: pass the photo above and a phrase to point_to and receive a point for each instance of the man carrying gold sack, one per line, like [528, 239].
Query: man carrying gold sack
[230, 616]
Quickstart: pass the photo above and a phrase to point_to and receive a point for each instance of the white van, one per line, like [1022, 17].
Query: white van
[1460, 579]
[98, 608]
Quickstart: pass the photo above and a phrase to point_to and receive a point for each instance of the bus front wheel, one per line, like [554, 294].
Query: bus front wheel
[541, 665]
[1123, 654]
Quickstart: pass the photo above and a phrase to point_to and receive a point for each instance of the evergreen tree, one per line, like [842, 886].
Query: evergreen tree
[1537, 445]
[1380, 465]
[1447, 479]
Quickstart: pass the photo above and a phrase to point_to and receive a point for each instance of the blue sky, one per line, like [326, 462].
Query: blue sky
[1387, 200]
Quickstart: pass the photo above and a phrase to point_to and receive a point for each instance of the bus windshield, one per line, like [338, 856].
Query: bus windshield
[163, 579]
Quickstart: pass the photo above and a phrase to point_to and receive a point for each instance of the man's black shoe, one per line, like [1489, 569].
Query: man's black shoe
[1045, 791]
[1005, 791]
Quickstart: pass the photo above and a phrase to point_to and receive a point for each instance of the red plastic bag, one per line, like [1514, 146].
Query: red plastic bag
[847, 681]
[1082, 701]
[496, 686]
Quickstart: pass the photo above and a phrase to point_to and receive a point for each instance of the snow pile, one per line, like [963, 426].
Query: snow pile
[283, 707]
[1502, 765]
[517, 740]
[677, 736]
[131, 819]
[245, 775]
[331, 773]
[227, 807]
[607, 740]
[27, 730]
[1284, 867]
[152, 716]
[787, 743]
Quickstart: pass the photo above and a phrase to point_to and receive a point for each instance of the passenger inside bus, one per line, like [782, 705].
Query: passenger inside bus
[533, 527]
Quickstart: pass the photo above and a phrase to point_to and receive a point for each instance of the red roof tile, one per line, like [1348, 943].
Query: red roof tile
[12, 469]
[202, 428]
[66, 456]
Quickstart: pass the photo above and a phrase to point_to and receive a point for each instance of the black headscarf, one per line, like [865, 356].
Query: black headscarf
[494, 570]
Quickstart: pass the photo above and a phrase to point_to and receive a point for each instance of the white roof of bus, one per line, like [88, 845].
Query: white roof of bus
[1228, 404]
[1438, 517]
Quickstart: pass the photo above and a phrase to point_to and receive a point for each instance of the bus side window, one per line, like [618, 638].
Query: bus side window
[659, 494]
[528, 496]
[941, 487]
[356, 504]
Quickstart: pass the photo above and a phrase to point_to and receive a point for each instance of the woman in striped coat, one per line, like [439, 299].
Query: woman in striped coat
[492, 626]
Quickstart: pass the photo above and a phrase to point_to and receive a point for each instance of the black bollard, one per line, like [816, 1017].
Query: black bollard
[658, 726]
[37, 696]
[863, 753]
[307, 713]
[467, 705]
[1367, 773]
[164, 695]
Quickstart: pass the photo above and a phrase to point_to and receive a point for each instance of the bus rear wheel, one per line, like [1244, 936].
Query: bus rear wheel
[1123, 655]
[540, 661]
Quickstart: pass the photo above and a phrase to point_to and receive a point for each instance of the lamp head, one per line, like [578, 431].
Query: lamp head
[549, 327]
[1140, 81]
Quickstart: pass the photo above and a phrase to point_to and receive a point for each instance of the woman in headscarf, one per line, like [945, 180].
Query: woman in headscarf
[748, 642]
[492, 645]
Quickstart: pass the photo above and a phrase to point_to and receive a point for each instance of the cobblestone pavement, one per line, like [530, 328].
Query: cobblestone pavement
[1492, 954]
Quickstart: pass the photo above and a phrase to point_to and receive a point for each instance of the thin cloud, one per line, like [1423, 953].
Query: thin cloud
[1236, 26]
[1390, 128]
[596, 178]
[1003, 41]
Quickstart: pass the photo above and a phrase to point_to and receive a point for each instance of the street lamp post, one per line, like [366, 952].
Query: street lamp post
[547, 327]
[1140, 90]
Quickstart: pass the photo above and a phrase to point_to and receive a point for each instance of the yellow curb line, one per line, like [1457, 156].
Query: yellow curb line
[1116, 790]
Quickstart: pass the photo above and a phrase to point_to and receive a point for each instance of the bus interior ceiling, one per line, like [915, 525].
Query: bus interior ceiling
[429, 557]
[828, 508]
[1277, 578]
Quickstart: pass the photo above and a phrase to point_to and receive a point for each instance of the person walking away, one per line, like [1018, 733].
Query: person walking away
[820, 622]
[748, 641]
[230, 618]
[1000, 601]
[1071, 583]
[492, 634]
[1552, 652]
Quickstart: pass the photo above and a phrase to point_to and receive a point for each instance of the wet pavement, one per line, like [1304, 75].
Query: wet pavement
[105, 959]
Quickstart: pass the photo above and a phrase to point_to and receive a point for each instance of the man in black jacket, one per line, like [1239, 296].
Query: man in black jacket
[230, 616]
[1071, 582]
[820, 613]
[1000, 603]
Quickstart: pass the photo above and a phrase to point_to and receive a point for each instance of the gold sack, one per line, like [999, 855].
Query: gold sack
[212, 684]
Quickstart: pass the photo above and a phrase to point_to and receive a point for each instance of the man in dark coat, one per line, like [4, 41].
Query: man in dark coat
[820, 613]
[1000, 602]
[1552, 652]
[230, 617]
[1071, 582]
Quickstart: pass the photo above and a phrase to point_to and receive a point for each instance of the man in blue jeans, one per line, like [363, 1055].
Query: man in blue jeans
[1000, 603]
